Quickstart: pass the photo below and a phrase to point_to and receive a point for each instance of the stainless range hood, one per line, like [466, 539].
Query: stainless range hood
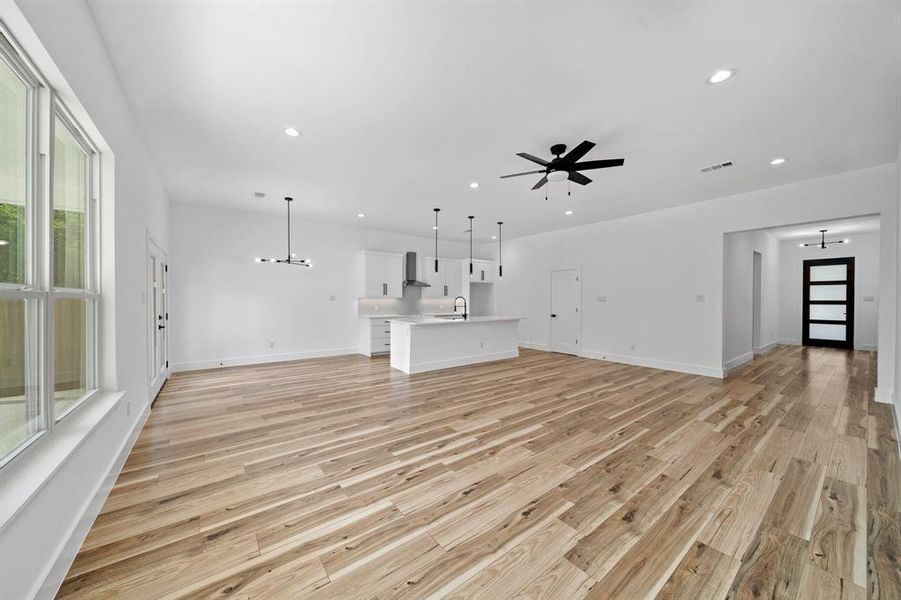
[411, 280]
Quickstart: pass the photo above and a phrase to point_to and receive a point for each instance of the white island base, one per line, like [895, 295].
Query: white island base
[419, 345]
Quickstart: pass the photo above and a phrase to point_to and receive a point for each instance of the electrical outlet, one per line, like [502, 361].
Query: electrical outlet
[331, 298]
[481, 344]
[272, 344]
[127, 408]
[632, 347]
[700, 298]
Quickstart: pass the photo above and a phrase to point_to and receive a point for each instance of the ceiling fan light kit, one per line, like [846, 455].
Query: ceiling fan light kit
[566, 167]
[290, 257]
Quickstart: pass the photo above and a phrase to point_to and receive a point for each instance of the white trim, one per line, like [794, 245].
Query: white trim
[766, 347]
[734, 363]
[654, 363]
[884, 396]
[237, 361]
[459, 362]
[75, 536]
[866, 347]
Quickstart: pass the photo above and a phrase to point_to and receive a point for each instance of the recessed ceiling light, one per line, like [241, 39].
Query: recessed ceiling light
[721, 76]
[292, 132]
[360, 215]
[435, 227]
[801, 245]
[569, 212]
[777, 161]
[474, 184]
[494, 237]
[847, 241]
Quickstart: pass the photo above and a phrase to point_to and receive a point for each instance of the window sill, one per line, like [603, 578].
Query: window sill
[23, 477]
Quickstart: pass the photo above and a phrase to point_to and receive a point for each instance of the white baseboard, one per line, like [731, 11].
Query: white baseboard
[884, 396]
[534, 346]
[653, 363]
[79, 531]
[260, 359]
[766, 347]
[867, 347]
[734, 363]
[459, 362]
[790, 342]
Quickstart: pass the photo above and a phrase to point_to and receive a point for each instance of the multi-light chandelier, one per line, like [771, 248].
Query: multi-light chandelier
[290, 257]
[822, 244]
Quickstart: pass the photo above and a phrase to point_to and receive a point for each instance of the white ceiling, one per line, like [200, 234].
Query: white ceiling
[836, 229]
[403, 104]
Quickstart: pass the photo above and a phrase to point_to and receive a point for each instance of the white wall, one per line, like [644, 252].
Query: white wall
[652, 267]
[865, 250]
[39, 540]
[225, 308]
[897, 388]
[738, 279]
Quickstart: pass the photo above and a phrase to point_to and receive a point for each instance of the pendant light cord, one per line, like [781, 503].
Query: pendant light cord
[288, 200]
[470, 244]
[500, 262]
[437, 210]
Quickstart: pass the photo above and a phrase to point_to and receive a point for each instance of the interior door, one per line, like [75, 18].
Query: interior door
[158, 309]
[828, 310]
[566, 318]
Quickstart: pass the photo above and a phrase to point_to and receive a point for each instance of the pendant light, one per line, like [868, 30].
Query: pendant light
[290, 257]
[470, 244]
[437, 210]
[823, 243]
[500, 265]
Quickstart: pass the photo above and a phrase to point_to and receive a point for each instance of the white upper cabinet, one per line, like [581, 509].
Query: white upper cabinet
[383, 274]
[453, 277]
[483, 271]
[447, 282]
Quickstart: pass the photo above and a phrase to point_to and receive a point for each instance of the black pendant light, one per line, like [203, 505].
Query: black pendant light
[437, 210]
[823, 243]
[470, 243]
[500, 265]
[290, 257]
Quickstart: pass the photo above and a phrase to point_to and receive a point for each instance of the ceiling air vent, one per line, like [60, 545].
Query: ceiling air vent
[717, 167]
[259, 195]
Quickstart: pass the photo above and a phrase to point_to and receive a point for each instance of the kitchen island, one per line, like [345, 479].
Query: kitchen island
[428, 344]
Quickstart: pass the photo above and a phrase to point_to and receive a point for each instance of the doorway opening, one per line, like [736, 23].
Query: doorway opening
[756, 299]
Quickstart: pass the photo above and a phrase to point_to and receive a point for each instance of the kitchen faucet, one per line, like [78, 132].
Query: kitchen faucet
[464, 306]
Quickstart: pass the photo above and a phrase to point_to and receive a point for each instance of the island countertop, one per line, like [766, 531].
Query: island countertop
[429, 321]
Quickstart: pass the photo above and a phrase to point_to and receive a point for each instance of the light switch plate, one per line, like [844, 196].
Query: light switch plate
[700, 298]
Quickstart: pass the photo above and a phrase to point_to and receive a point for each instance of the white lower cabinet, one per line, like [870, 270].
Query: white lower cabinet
[374, 336]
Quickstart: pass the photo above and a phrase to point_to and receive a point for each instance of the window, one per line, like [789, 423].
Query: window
[49, 297]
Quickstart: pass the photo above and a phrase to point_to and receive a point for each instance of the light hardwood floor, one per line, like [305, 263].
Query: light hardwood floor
[545, 476]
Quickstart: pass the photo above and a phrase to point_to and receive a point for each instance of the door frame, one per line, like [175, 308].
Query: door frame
[154, 380]
[550, 337]
[848, 302]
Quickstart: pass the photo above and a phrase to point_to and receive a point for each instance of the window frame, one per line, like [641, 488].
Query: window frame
[44, 110]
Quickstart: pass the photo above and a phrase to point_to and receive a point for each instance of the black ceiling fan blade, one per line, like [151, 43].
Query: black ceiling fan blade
[526, 173]
[578, 152]
[540, 183]
[599, 164]
[534, 159]
[578, 178]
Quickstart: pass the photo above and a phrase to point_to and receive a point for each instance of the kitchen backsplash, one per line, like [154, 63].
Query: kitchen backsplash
[410, 304]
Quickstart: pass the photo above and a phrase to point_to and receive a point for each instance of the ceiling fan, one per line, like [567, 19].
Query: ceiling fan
[561, 168]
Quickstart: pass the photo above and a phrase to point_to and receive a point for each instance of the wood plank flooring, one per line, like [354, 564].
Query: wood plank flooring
[545, 476]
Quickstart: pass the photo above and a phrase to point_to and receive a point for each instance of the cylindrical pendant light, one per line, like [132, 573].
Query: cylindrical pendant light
[500, 266]
[437, 210]
[470, 243]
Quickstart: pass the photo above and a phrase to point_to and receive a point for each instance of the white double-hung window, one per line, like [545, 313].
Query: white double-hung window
[49, 295]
